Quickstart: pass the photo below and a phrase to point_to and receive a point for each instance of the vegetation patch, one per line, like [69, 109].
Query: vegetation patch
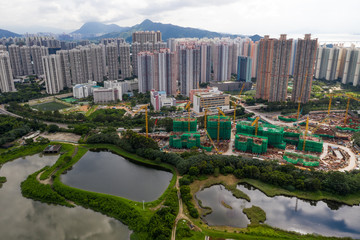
[255, 214]
[50, 106]
[2, 180]
[21, 152]
[33, 189]
[225, 204]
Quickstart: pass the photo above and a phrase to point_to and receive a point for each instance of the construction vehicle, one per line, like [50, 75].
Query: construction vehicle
[212, 142]
[218, 129]
[145, 107]
[256, 123]
[187, 107]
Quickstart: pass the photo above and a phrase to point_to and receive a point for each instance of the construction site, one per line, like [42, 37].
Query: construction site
[320, 139]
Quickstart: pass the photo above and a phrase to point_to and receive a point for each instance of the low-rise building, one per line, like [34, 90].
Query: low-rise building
[211, 101]
[103, 95]
[159, 99]
[84, 90]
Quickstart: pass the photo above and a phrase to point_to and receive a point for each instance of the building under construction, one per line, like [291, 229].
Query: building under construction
[251, 143]
[219, 124]
[274, 134]
[186, 140]
[182, 125]
[313, 144]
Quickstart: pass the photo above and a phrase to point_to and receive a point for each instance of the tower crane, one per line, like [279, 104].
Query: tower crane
[256, 123]
[348, 104]
[306, 129]
[146, 117]
[218, 129]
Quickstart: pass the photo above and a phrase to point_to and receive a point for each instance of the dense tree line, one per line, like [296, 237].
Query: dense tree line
[12, 128]
[24, 93]
[186, 197]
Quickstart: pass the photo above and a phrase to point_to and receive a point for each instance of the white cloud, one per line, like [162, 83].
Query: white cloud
[233, 16]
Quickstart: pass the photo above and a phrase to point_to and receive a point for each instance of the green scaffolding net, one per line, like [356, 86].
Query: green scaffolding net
[187, 140]
[301, 161]
[251, 143]
[315, 145]
[224, 124]
[182, 125]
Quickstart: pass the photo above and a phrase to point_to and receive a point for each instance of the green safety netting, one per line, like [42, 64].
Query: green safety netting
[311, 146]
[182, 125]
[301, 161]
[224, 130]
[285, 119]
[187, 140]
[251, 143]
[347, 129]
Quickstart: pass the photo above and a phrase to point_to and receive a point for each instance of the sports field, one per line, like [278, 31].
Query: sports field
[49, 106]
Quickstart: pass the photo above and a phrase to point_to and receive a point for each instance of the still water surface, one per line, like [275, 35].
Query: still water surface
[23, 218]
[329, 219]
[106, 172]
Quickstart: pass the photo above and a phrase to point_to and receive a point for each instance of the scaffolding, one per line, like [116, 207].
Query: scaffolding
[225, 127]
[313, 144]
[182, 125]
[301, 161]
[251, 143]
[186, 140]
[274, 134]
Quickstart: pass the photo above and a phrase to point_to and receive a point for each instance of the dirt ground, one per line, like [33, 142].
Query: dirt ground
[66, 137]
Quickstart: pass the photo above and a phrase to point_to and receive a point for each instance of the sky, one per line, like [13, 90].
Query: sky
[227, 16]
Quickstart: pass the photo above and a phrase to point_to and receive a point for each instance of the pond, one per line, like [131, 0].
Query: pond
[106, 172]
[288, 213]
[23, 218]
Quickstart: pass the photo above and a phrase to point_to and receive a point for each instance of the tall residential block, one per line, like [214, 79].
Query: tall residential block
[135, 50]
[326, 63]
[26, 65]
[98, 62]
[6, 77]
[244, 69]
[146, 71]
[64, 65]
[189, 68]
[222, 61]
[53, 77]
[15, 59]
[146, 36]
[37, 53]
[86, 64]
[165, 71]
[124, 56]
[205, 71]
[273, 68]
[112, 61]
[352, 67]
[304, 68]
[77, 75]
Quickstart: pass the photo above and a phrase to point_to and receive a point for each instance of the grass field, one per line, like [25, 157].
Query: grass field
[50, 106]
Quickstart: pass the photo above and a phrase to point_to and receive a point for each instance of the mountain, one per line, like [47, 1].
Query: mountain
[6, 33]
[169, 31]
[92, 29]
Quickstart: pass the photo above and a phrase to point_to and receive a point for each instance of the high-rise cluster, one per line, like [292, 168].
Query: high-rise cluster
[6, 78]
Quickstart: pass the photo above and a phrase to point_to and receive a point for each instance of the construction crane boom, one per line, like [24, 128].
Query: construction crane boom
[212, 142]
[188, 108]
[256, 123]
[145, 107]
[348, 105]
[306, 129]
[205, 117]
[218, 129]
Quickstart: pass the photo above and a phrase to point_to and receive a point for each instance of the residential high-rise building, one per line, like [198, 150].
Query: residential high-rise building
[326, 63]
[222, 57]
[64, 65]
[146, 71]
[86, 63]
[165, 71]
[189, 68]
[37, 53]
[124, 56]
[352, 66]
[112, 61]
[159, 45]
[146, 36]
[2, 47]
[77, 75]
[6, 77]
[15, 59]
[273, 68]
[135, 49]
[52, 69]
[304, 68]
[205, 54]
[98, 62]
[244, 69]
[26, 65]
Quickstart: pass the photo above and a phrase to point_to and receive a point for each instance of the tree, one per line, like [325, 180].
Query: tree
[194, 171]
[52, 128]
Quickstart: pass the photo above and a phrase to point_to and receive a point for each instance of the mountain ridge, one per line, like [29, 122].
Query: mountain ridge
[6, 33]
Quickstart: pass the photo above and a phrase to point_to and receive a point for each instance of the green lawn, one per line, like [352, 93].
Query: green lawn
[50, 106]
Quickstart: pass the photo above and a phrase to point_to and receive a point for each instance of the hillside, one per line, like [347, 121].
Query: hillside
[92, 29]
[169, 31]
[6, 33]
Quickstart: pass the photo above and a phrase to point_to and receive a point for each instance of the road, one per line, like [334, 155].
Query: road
[5, 112]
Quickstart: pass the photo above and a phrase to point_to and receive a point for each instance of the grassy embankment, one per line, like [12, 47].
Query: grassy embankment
[255, 214]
